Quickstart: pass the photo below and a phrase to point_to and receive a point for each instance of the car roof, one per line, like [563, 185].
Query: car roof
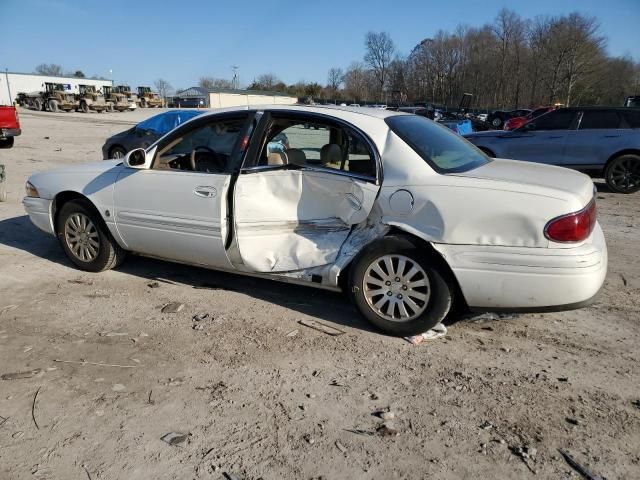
[598, 108]
[334, 110]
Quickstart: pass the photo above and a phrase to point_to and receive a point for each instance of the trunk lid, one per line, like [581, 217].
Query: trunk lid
[537, 178]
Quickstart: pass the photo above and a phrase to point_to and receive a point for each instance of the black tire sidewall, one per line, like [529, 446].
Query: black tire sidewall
[106, 248]
[116, 149]
[441, 298]
[7, 142]
[609, 170]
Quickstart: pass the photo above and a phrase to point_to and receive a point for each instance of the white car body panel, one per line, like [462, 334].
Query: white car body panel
[168, 214]
[487, 223]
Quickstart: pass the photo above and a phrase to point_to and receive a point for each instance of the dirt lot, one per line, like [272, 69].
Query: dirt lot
[258, 400]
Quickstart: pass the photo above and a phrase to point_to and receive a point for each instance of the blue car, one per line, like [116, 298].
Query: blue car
[602, 142]
[145, 133]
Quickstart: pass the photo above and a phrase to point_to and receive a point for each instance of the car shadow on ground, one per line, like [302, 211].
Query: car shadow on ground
[20, 233]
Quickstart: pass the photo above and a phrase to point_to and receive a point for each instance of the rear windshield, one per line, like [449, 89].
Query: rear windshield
[443, 149]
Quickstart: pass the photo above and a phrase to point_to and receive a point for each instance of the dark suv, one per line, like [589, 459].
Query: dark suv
[603, 142]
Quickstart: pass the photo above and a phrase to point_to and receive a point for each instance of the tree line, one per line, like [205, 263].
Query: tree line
[510, 63]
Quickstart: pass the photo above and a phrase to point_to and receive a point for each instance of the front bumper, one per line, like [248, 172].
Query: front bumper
[528, 279]
[39, 211]
[10, 132]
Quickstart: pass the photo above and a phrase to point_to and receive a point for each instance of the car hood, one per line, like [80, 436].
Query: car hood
[536, 178]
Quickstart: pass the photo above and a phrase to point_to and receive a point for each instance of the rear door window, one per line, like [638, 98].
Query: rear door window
[599, 120]
[556, 120]
[633, 118]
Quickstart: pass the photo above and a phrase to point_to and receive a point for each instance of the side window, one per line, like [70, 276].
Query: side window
[206, 148]
[319, 144]
[599, 119]
[632, 118]
[556, 120]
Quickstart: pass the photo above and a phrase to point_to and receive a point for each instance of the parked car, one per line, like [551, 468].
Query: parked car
[413, 222]
[604, 142]
[517, 122]
[427, 112]
[145, 132]
[498, 118]
[9, 126]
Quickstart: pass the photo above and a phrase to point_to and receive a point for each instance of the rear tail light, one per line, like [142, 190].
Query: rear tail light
[574, 227]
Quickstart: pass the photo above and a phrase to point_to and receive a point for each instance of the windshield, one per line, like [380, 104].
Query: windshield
[443, 149]
[165, 122]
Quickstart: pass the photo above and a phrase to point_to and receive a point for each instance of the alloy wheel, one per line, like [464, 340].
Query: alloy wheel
[82, 237]
[625, 174]
[396, 287]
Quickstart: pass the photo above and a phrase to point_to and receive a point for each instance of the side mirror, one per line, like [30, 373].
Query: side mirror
[136, 158]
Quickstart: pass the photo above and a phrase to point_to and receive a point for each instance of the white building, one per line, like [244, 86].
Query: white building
[33, 82]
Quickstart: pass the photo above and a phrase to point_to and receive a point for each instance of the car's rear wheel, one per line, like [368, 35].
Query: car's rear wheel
[117, 152]
[85, 239]
[623, 174]
[399, 288]
[6, 142]
[497, 122]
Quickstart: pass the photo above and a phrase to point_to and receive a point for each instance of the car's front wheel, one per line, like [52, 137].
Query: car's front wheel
[85, 239]
[400, 288]
[623, 174]
[117, 152]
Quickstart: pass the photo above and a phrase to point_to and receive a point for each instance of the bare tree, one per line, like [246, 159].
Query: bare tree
[355, 81]
[211, 83]
[266, 81]
[163, 87]
[379, 52]
[334, 80]
[50, 69]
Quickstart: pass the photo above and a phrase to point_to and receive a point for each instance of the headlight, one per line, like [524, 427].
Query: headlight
[31, 190]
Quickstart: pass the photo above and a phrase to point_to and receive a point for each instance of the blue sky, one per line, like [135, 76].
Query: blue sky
[143, 40]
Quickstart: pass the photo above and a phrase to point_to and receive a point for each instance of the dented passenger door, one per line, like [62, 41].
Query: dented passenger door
[296, 201]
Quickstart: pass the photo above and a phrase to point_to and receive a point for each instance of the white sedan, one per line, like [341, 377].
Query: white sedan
[401, 213]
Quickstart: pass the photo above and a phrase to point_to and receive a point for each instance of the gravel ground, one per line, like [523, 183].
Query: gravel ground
[261, 396]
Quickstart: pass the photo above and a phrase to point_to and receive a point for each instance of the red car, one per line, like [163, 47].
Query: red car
[517, 122]
[9, 126]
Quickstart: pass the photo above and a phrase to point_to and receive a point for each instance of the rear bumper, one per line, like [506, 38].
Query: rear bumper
[10, 132]
[39, 211]
[529, 279]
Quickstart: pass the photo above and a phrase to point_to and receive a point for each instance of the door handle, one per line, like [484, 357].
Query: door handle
[206, 192]
[354, 201]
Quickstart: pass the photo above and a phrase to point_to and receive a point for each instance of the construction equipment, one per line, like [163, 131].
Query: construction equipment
[115, 100]
[148, 99]
[90, 100]
[54, 97]
[132, 98]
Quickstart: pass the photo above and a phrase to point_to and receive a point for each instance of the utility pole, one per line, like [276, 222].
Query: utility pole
[235, 82]
[6, 74]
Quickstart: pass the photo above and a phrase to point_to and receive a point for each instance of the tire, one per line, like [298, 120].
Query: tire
[623, 174]
[37, 104]
[7, 142]
[85, 239]
[110, 108]
[53, 106]
[424, 305]
[143, 103]
[84, 107]
[117, 152]
[497, 123]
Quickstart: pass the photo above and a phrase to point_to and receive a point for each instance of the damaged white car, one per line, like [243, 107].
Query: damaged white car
[398, 211]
